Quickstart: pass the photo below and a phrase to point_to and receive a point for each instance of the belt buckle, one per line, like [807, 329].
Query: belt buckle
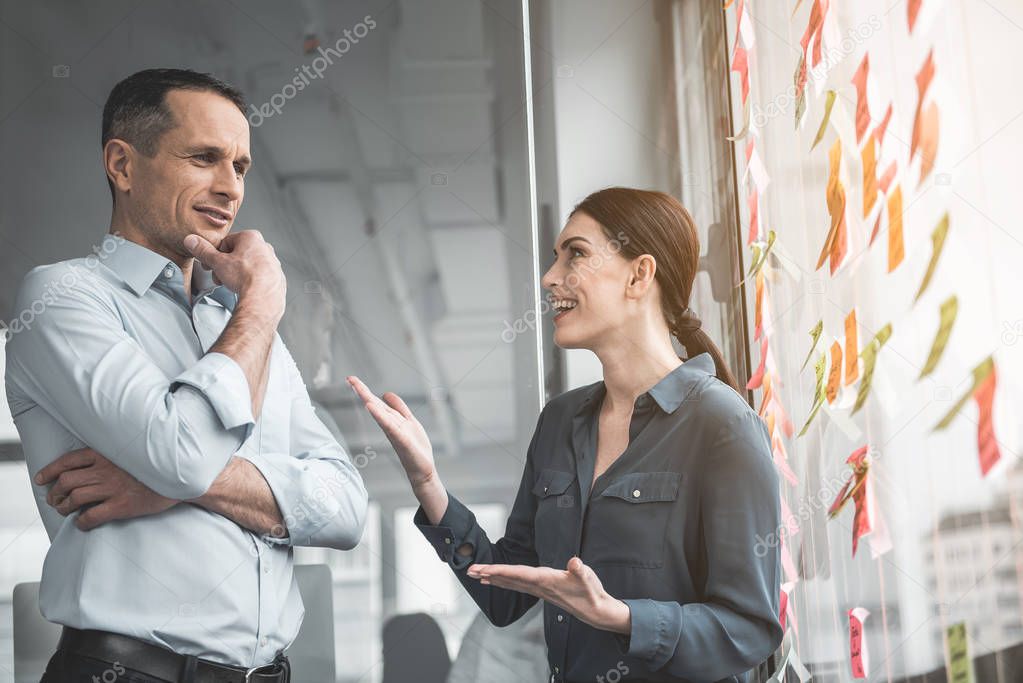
[258, 669]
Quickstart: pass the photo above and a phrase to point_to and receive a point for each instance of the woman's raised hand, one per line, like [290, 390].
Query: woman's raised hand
[402, 429]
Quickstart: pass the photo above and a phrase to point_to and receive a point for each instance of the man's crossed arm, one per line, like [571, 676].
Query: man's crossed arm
[117, 397]
[86, 478]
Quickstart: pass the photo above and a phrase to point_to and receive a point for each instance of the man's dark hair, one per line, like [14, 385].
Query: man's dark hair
[136, 110]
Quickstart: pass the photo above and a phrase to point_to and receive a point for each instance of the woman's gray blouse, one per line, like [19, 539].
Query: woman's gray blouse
[674, 528]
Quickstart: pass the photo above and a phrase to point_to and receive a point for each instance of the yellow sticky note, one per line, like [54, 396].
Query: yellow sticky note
[829, 102]
[818, 396]
[835, 373]
[949, 309]
[957, 653]
[869, 355]
[815, 334]
[937, 243]
[980, 373]
[869, 159]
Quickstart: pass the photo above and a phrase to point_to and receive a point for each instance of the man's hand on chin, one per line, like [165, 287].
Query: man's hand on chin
[85, 478]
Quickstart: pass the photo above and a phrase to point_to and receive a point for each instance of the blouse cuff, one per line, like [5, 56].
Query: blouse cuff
[656, 628]
[456, 528]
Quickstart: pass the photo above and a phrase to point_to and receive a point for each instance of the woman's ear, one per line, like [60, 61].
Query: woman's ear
[644, 267]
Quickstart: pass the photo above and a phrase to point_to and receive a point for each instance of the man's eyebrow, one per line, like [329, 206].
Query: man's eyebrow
[244, 160]
[564, 245]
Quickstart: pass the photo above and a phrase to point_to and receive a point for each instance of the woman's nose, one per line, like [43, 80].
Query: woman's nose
[548, 281]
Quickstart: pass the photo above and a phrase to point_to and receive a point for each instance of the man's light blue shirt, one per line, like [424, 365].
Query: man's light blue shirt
[107, 352]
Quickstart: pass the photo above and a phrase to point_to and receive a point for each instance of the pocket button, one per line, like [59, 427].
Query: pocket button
[636, 494]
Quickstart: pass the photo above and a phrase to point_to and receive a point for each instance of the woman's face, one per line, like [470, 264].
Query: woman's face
[588, 284]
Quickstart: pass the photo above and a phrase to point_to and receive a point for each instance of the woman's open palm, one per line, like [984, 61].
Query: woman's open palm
[402, 429]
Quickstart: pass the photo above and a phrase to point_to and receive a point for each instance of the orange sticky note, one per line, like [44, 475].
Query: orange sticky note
[928, 140]
[835, 243]
[896, 248]
[987, 444]
[852, 349]
[814, 29]
[781, 461]
[869, 158]
[758, 376]
[883, 126]
[923, 82]
[877, 227]
[759, 313]
[888, 176]
[754, 215]
[912, 12]
[765, 401]
[818, 42]
[862, 110]
[835, 373]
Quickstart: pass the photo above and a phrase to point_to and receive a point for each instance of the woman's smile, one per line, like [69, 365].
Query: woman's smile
[562, 307]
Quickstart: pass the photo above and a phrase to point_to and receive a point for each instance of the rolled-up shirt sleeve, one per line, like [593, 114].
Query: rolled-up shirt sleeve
[318, 490]
[222, 382]
[736, 627]
[75, 360]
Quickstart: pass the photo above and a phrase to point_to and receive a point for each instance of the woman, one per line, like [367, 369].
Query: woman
[643, 495]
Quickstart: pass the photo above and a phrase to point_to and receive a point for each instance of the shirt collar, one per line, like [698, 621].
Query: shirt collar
[672, 390]
[138, 267]
[134, 264]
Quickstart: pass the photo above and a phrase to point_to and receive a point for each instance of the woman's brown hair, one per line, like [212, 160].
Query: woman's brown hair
[655, 223]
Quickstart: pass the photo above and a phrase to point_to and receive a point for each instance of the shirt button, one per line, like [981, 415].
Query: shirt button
[557, 670]
[448, 541]
[266, 568]
[636, 494]
[561, 617]
[168, 272]
[263, 641]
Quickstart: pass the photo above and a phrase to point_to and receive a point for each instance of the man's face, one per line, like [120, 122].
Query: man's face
[195, 181]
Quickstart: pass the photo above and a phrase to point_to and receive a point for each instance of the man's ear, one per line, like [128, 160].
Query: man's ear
[119, 163]
[644, 267]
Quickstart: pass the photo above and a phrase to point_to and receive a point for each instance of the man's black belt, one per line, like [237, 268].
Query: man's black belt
[159, 662]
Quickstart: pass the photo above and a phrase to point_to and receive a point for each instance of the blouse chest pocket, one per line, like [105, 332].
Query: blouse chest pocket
[553, 523]
[629, 519]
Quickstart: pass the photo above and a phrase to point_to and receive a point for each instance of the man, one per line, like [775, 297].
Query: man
[196, 461]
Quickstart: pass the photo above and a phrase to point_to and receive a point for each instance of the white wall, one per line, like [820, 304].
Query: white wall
[607, 98]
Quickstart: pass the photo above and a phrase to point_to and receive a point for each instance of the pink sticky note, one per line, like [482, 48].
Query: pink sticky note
[787, 565]
[857, 643]
[785, 605]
